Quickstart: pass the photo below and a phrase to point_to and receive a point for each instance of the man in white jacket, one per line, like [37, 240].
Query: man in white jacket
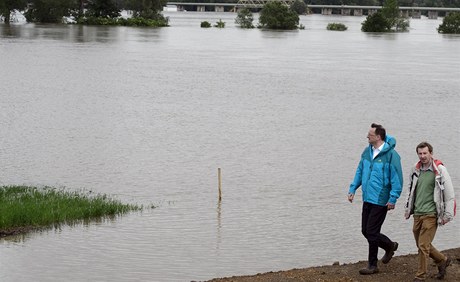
[431, 200]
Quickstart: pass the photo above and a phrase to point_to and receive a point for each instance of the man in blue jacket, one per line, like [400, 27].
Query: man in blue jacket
[379, 174]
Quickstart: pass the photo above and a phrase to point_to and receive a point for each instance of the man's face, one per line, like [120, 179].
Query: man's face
[424, 155]
[372, 137]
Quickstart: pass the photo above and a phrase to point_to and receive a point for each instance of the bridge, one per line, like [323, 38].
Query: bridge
[346, 10]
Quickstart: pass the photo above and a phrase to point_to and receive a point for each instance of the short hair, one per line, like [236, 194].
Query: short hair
[379, 130]
[423, 145]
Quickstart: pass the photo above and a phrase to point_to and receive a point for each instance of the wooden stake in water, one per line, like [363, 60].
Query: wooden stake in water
[219, 177]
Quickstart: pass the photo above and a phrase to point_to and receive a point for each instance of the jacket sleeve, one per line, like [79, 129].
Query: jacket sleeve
[449, 195]
[358, 178]
[396, 179]
[408, 208]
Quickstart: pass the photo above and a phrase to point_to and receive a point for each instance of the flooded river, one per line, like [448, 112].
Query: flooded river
[149, 115]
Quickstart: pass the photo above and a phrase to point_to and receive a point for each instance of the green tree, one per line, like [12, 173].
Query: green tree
[299, 7]
[276, 15]
[7, 6]
[244, 18]
[49, 11]
[103, 8]
[387, 19]
[375, 23]
[149, 9]
[450, 24]
[391, 13]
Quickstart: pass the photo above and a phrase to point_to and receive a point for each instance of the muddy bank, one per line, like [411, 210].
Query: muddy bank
[400, 268]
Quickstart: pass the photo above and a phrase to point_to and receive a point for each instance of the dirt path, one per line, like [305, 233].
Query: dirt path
[401, 268]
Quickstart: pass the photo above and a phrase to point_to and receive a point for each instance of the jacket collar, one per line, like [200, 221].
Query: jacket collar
[435, 165]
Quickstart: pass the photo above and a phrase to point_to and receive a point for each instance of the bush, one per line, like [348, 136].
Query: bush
[276, 15]
[245, 18]
[450, 24]
[205, 24]
[337, 26]
[220, 24]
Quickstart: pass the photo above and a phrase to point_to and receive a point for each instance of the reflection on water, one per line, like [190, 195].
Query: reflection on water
[147, 115]
[77, 33]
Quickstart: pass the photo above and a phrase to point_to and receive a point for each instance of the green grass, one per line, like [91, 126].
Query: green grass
[23, 207]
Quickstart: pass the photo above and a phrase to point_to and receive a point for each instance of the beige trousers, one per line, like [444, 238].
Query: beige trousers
[424, 231]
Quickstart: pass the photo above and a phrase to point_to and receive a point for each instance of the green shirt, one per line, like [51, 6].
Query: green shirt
[424, 200]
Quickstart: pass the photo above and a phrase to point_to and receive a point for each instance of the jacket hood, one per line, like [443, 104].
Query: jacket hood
[390, 140]
[436, 164]
[390, 143]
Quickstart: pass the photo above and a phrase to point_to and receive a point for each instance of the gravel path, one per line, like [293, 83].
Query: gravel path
[400, 268]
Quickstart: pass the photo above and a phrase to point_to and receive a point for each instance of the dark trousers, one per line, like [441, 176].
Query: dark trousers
[373, 217]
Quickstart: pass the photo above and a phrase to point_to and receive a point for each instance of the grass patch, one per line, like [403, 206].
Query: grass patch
[24, 208]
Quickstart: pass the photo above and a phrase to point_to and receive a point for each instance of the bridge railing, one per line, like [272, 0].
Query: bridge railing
[325, 9]
[244, 3]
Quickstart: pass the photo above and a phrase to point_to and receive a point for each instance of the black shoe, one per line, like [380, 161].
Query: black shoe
[389, 254]
[369, 270]
[442, 269]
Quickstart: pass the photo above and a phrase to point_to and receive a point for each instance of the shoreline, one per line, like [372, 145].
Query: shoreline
[400, 268]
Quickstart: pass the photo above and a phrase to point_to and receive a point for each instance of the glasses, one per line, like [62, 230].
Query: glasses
[371, 135]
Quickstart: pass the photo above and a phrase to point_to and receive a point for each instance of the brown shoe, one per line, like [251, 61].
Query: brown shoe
[389, 254]
[369, 270]
[442, 269]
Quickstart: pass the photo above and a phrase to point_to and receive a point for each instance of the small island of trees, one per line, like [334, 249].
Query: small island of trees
[387, 19]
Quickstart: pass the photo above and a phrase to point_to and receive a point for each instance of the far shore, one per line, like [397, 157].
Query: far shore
[401, 268]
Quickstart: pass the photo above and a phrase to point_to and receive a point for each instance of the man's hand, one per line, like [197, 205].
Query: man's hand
[390, 206]
[350, 197]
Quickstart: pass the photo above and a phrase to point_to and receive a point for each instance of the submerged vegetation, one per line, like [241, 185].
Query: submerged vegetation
[245, 18]
[220, 24]
[450, 24]
[161, 22]
[276, 15]
[24, 208]
[96, 12]
[387, 19]
[337, 26]
[205, 24]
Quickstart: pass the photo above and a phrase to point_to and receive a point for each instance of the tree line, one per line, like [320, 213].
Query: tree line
[401, 3]
[144, 12]
[148, 12]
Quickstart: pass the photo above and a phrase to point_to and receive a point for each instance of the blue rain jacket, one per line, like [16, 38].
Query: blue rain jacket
[380, 178]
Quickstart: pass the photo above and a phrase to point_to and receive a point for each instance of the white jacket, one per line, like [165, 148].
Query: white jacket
[444, 196]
